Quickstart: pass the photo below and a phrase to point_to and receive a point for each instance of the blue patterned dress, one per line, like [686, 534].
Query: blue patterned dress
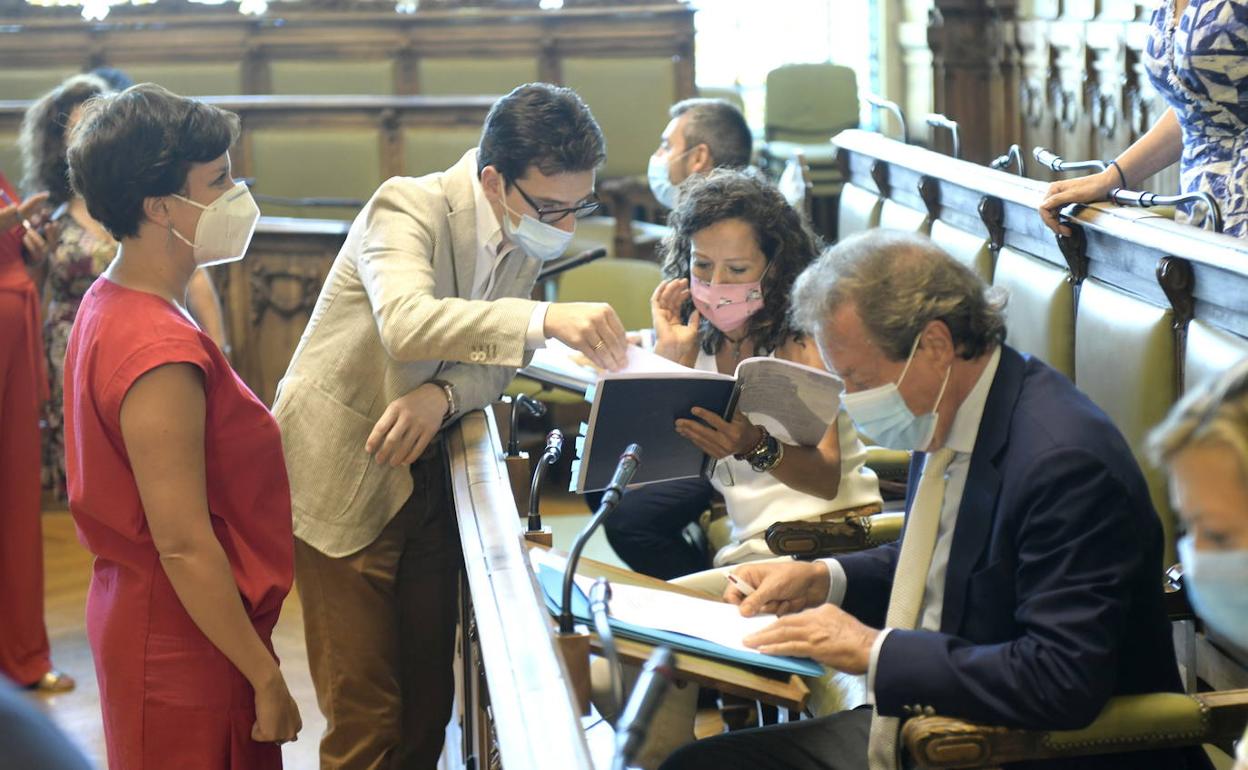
[1201, 68]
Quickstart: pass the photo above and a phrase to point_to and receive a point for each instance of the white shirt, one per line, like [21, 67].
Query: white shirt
[492, 248]
[961, 440]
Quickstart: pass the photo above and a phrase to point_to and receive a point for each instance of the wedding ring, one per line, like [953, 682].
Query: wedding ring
[598, 345]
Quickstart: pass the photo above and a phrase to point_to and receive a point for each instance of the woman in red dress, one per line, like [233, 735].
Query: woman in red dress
[175, 470]
[24, 654]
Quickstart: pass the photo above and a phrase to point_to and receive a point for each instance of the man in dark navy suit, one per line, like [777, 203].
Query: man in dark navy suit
[1026, 589]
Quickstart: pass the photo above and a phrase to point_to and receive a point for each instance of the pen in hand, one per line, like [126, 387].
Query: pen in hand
[745, 588]
[8, 201]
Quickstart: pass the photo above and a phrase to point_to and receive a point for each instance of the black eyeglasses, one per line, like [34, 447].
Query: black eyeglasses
[551, 216]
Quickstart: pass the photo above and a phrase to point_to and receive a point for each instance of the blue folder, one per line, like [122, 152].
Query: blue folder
[552, 586]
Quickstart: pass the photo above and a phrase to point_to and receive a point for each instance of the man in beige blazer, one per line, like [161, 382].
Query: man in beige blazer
[424, 315]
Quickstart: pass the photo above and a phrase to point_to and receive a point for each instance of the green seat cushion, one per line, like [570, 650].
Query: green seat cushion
[1040, 312]
[460, 76]
[630, 97]
[818, 154]
[325, 163]
[337, 77]
[626, 284]
[191, 78]
[427, 149]
[857, 211]
[1209, 352]
[31, 82]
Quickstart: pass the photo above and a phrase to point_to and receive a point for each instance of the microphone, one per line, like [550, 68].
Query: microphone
[624, 471]
[630, 733]
[600, 611]
[610, 499]
[551, 455]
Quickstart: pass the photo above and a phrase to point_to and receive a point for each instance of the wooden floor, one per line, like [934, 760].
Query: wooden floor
[67, 567]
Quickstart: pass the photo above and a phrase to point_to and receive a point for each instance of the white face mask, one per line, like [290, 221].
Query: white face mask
[660, 177]
[225, 228]
[538, 239]
[881, 413]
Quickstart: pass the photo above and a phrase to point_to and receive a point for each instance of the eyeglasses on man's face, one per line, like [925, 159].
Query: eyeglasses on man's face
[552, 215]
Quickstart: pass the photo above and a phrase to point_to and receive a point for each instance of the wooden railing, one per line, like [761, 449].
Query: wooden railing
[514, 701]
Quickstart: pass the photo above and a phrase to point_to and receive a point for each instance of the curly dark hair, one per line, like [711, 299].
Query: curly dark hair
[783, 236]
[42, 141]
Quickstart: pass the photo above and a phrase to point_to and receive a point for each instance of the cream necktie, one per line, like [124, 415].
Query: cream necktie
[909, 580]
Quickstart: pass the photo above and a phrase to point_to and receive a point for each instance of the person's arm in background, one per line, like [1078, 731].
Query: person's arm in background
[162, 426]
[205, 305]
[1160, 148]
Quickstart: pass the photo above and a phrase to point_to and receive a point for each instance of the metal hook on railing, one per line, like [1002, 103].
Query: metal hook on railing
[1145, 199]
[1014, 155]
[880, 103]
[936, 120]
[1054, 162]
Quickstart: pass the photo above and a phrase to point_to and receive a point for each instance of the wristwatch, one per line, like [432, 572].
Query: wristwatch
[452, 403]
[766, 454]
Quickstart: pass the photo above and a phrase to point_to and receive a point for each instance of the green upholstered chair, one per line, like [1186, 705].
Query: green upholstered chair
[858, 210]
[461, 76]
[1040, 313]
[1138, 387]
[729, 94]
[31, 82]
[630, 97]
[191, 78]
[968, 248]
[599, 232]
[332, 76]
[10, 158]
[804, 107]
[1209, 352]
[427, 149]
[1127, 723]
[895, 216]
[323, 163]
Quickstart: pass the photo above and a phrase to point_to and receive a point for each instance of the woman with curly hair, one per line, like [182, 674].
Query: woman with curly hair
[735, 249]
[83, 252]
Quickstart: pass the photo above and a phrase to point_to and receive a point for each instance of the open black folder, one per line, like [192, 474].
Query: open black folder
[795, 403]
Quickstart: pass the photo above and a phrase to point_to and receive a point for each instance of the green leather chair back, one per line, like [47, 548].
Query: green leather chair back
[1209, 352]
[969, 249]
[458, 76]
[436, 148]
[191, 78]
[10, 158]
[31, 82]
[730, 95]
[626, 284]
[858, 210]
[810, 102]
[1125, 361]
[1040, 313]
[339, 163]
[630, 98]
[314, 76]
[895, 216]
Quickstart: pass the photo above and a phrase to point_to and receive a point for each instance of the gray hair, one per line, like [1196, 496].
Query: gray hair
[900, 282]
[720, 126]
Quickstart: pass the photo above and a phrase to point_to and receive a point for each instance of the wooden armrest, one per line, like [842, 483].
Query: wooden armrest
[815, 539]
[1128, 723]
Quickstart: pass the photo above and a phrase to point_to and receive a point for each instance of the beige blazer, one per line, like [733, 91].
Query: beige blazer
[392, 315]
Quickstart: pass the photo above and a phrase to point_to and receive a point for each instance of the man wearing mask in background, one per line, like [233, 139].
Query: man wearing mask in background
[703, 134]
[425, 315]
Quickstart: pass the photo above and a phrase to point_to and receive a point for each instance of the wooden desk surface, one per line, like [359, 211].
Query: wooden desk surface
[779, 689]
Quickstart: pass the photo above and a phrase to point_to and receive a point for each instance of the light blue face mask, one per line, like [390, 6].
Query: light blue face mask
[1218, 584]
[536, 238]
[881, 413]
[661, 179]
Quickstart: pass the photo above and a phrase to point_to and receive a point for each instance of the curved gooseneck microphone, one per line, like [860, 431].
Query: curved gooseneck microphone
[624, 471]
[550, 456]
[630, 731]
[534, 407]
[600, 611]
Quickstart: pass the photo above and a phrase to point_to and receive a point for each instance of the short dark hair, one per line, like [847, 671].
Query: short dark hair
[42, 140]
[783, 236]
[541, 125]
[720, 126]
[140, 144]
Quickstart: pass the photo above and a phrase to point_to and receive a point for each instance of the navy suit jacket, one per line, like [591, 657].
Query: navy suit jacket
[1053, 599]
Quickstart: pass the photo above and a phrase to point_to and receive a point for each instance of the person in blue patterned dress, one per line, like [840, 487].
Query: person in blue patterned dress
[1197, 59]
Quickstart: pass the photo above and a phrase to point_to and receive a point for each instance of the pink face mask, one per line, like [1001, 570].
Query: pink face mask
[727, 305]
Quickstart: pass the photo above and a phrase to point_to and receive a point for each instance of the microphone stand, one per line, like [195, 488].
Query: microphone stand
[535, 532]
[518, 469]
[600, 611]
[574, 642]
[643, 704]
